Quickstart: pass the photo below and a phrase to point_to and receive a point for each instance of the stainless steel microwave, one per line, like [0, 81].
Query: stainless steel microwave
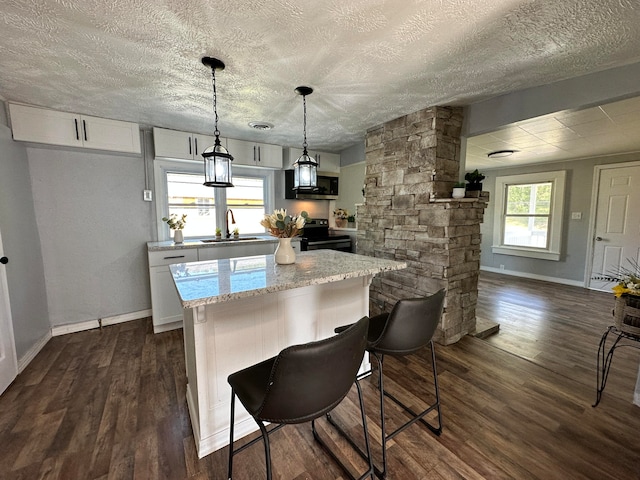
[327, 188]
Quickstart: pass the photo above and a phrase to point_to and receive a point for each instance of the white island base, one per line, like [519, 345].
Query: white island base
[230, 325]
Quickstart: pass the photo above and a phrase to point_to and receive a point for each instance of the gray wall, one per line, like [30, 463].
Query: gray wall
[575, 238]
[21, 243]
[353, 154]
[94, 226]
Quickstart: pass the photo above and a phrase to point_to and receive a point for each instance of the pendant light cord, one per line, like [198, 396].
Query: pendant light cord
[304, 143]
[215, 101]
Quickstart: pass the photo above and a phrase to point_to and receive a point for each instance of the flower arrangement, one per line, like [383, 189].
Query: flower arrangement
[628, 280]
[282, 225]
[174, 222]
[341, 213]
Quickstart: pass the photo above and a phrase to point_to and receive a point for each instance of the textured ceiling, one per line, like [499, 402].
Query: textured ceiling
[369, 61]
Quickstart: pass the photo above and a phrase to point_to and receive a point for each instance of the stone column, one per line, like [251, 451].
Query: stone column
[411, 165]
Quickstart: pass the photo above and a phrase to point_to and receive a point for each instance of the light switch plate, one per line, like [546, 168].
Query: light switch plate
[147, 195]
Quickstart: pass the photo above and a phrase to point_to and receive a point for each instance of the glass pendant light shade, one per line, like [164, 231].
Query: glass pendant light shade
[217, 160]
[217, 166]
[305, 167]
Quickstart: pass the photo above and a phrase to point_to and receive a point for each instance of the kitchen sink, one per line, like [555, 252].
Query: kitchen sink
[222, 240]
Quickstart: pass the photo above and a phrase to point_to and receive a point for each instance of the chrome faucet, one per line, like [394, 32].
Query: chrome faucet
[226, 221]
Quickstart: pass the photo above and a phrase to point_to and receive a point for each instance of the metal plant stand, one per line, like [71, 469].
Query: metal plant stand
[604, 360]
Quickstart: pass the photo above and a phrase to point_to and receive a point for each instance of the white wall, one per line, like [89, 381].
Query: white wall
[21, 243]
[94, 227]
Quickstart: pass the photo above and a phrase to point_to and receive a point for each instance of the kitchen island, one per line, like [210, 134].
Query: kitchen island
[240, 311]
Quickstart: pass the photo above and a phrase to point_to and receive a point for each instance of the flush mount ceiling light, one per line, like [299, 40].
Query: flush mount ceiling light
[500, 153]
[217, 160]
[261, 125]
[305, 167]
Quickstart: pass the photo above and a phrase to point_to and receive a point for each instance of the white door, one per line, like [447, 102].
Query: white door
[617, 224]
[8, 362]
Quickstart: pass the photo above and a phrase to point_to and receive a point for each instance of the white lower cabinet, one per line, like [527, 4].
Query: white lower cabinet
[165, 304]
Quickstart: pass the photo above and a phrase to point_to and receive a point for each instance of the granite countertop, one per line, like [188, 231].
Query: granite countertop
[169, 245]
[217, 281]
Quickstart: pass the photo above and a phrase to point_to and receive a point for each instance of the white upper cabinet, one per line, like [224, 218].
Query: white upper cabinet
[327, 162]
[40, 125]
[181, 145]
[255, 154]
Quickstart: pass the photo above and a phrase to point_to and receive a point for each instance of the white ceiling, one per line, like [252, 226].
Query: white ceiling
[603, 130]
[369, 61]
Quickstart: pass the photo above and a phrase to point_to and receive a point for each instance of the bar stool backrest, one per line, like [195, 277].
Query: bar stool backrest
[309, 380]
[410, 325]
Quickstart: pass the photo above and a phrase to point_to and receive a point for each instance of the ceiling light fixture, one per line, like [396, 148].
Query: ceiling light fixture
[217, 160]
[305, 167]
[501, 153]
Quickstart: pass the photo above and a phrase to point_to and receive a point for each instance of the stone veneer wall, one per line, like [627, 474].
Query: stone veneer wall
[411, 165]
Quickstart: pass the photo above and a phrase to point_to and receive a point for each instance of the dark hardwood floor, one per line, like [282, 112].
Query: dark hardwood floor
[110, 404]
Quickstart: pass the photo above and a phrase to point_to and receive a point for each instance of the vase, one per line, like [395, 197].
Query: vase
[341, 222]
[285, 254]
[178, 237]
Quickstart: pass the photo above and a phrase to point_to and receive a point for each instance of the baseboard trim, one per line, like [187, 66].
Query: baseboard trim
[74, 327]
[125, 317]
[513, 273]
[25, 360]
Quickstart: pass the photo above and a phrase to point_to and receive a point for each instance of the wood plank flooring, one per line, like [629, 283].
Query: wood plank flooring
[110, 404]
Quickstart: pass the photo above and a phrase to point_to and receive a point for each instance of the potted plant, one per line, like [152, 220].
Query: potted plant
[218, 234]
[341, 215]
[236, 232]
[475, 179]
[458, 190]
[176, 224]
[351, 220]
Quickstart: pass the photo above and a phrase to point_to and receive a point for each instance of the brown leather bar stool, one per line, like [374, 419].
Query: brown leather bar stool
[405, 330]
[301, 384]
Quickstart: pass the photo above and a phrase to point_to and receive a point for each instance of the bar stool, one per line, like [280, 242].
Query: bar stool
[405, 330]
[299, 385]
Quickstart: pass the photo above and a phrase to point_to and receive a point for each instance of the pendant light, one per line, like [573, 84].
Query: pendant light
[217, 160]
[305, 167]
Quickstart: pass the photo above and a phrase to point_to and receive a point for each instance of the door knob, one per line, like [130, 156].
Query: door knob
[4, 260]
[598, 239]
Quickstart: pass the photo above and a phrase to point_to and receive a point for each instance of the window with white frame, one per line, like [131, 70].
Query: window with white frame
[180, 190]
[529, 211]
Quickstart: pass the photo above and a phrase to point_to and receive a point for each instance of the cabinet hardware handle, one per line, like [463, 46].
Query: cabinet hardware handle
[254, 154]
[190, 152]
[4, 260]
[175, 256]
[259, 159]
[195, 142]
[77, 133]
[84, 127]
[318, 159]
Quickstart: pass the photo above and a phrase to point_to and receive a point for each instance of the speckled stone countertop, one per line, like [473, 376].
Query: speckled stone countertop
[217, 281]
[169, 245]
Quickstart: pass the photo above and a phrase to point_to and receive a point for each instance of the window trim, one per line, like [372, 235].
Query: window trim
[553, 251]
[160, 169]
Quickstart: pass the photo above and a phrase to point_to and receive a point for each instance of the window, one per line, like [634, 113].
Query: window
[528, 219]
[180, 185]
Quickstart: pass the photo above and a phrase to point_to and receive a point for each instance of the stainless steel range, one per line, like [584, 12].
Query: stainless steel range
[316, 236]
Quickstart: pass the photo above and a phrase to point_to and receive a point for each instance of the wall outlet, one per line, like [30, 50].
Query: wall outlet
[576, 215]
[147, 195]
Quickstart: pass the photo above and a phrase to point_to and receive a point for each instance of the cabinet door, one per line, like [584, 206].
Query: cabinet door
[106, 134]
[173, 144]
[202, 142]
[244, 153]
[328, 162]
[269, 156]
[33, 124]
[165, 302]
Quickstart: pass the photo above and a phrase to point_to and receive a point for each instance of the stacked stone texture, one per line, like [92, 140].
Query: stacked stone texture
[411, 165]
